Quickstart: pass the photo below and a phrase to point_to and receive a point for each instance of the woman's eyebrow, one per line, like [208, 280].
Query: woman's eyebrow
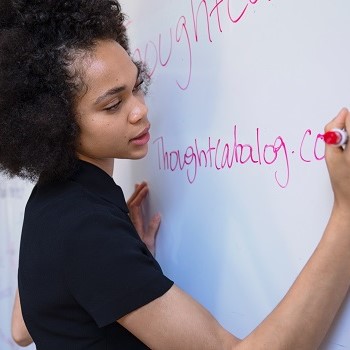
[110, 92]
[116, 90]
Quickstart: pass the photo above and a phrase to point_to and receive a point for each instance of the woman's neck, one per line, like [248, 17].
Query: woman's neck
[106, 164]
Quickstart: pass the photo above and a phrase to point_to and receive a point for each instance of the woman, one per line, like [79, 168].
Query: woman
[71, 102]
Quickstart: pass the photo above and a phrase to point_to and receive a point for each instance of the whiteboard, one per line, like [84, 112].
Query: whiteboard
[241, 92]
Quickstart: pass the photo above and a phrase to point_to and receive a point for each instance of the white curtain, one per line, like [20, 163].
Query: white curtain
[13, 197]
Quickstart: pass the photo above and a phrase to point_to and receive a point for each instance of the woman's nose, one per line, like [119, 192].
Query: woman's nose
[139, 111]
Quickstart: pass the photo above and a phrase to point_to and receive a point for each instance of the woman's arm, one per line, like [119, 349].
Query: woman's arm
[20, 332]
[302, 318]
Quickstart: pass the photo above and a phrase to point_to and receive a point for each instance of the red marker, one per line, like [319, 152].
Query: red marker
[336, 137]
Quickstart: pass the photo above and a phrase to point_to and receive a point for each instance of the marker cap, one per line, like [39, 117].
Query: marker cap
[336, 137]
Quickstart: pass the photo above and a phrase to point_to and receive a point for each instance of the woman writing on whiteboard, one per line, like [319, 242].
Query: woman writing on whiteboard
[72, 100]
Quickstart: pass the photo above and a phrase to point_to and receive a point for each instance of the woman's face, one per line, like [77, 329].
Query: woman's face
[111, 112]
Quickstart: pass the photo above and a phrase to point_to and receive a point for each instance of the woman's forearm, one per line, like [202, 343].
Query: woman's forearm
[303, 317]
[20, 332]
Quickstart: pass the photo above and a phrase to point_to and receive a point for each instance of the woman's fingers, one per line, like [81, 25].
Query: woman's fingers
[140, 192]
[151, 233]
[338, 121]
[134, 203]
[341, 121]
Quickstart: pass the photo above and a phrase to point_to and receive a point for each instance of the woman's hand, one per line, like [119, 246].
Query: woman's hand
[148, 235]
[338, 163]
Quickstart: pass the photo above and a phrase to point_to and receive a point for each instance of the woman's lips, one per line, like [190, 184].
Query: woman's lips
[142, 139]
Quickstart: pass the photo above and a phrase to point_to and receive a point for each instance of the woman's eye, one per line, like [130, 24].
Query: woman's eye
[140, 86]
[113, 107]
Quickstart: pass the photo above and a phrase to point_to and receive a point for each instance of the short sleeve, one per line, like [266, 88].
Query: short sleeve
[109, 270]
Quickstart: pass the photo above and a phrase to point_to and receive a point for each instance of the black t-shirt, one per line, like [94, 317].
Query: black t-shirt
[82, 265]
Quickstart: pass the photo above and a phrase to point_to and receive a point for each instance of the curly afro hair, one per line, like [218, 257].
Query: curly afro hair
[39, 40]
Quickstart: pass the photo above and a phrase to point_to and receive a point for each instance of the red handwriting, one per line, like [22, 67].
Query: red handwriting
[317, 149]
[217, 154]
[177, 44]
